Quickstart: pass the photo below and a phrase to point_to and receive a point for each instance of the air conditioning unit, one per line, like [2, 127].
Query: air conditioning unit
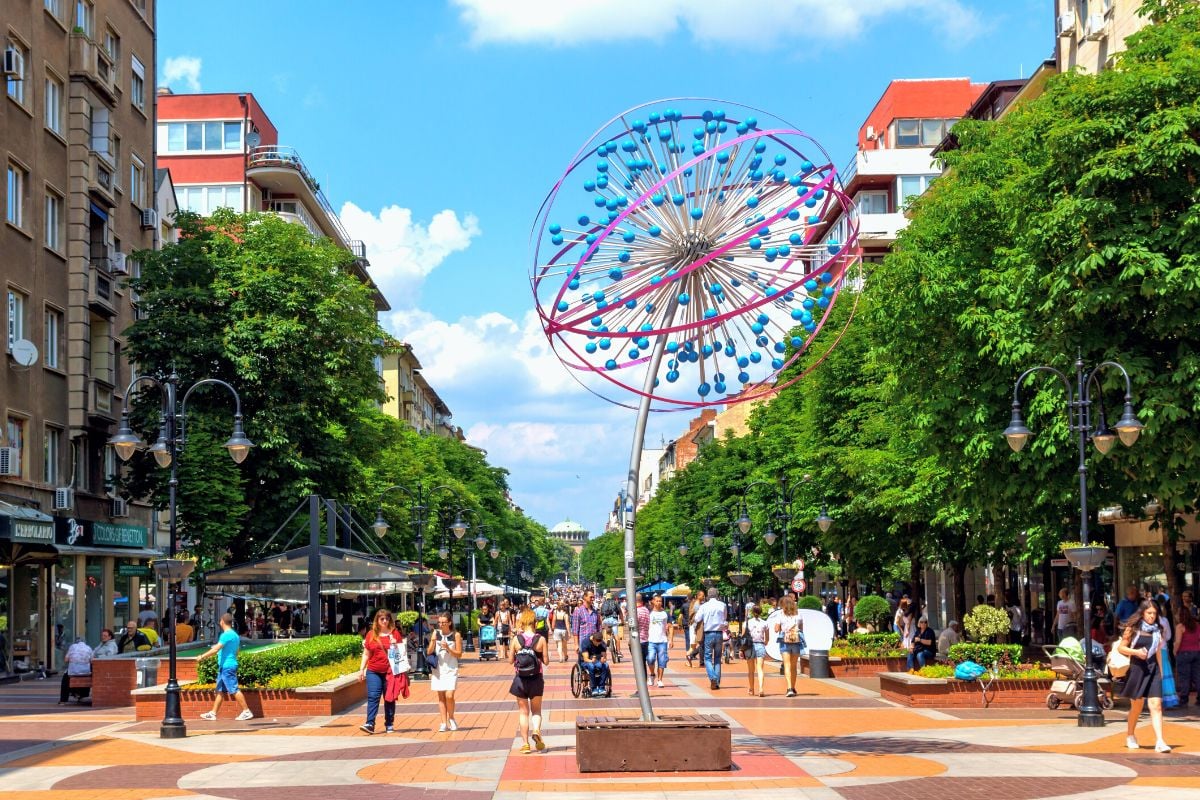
[120, 507]
[149, 219]
[1066, 24]
[64, 498]
[13, 64]
[116, 263]
[10, 462]
[1095, 28]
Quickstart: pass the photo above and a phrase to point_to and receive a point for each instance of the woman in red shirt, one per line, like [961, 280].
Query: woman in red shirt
[376, 667]
[1187, 655]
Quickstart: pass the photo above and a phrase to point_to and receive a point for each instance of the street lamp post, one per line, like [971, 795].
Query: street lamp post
[171, 438]
[1079, 421]
[419, 511]
[782, 499]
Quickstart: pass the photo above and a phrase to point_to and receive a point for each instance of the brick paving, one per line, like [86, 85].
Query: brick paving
[836, 740]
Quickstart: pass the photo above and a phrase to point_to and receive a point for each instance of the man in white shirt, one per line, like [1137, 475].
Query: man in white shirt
[659, 633]
[948, 638]
[713, 622]
[79, 662]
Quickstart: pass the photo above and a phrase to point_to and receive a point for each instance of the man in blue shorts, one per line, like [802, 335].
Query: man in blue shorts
[226, 650]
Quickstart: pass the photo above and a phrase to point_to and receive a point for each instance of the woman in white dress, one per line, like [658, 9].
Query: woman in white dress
[446, 643]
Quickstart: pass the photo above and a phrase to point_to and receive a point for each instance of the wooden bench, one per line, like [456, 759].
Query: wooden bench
[671, 743]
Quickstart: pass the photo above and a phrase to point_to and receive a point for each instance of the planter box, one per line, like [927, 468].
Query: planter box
[917, 692]
[858, 667]
[672, 743]
[115, 679]
[327, 699]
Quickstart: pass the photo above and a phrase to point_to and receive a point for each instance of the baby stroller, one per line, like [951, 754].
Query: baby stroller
[487, 642]
[1066, 660]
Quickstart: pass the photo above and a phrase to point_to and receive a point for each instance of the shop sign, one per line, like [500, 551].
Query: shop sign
[28, 530]
[133, 570]
[87, 533]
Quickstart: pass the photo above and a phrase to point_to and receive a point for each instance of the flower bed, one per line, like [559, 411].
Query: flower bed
[256, 669]
[916, 691]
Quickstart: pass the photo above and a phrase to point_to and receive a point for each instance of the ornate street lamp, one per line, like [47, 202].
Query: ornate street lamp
[1079, 421]
[171, 438]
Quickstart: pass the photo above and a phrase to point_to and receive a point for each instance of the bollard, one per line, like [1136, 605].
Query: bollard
[818, 664]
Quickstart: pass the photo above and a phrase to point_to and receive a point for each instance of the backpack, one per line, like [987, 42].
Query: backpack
[526, 659]
[542, 613]
[608, 608]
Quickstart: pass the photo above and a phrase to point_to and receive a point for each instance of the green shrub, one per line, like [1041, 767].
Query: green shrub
[985, 623]
[810, 601]
[985, 654]
[936, 671]
[873, 610]
[406, 619]
[315, 675]
[256, 669]
[886, 641]
[869, 645]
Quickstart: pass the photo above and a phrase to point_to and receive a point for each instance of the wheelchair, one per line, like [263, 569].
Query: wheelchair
[581, 681]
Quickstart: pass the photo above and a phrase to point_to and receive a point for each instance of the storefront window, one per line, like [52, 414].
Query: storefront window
[94, 599]
[65, 586]
[121, 594]
[27, 640]
[1142, 566]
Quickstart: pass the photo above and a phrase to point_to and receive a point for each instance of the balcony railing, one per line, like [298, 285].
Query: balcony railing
[288, 158]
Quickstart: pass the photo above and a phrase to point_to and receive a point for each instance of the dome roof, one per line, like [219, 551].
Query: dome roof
[568, 526]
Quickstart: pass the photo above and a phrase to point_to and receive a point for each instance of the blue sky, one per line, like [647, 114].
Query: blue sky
[437, 127]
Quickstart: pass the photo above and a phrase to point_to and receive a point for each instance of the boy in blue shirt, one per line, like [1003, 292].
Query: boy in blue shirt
[226, 650]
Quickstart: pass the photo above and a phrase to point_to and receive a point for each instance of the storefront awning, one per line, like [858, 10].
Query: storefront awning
[26, 535]
[116, 552]
[338, 566]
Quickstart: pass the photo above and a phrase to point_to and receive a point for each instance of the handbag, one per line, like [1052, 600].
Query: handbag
[431, 661]
[398, 657]
[1118, 663]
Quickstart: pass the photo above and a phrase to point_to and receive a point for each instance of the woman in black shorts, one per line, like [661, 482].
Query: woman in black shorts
[528, 689]
[1143, 640]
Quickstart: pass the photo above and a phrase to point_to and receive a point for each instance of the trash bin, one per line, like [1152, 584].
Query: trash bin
[147, 672]
[818, 664]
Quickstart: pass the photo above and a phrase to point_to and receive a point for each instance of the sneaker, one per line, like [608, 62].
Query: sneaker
[1162, 747]
[525, 749]
[1131, 742]
[442, 728]
[367, 729]
[453, 725]
[389, 729]
[537, 740]
[245, 715]
[208, 715]
[660, 684]
[791, 692]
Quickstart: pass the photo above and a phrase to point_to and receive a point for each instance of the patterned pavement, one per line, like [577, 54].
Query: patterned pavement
[836, 740]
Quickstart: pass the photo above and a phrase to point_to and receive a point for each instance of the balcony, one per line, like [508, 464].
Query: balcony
[281, 170]
[101, 289]
[101, 178]
[889, 163]
[89, 60]
[880, 230]
[100, 403]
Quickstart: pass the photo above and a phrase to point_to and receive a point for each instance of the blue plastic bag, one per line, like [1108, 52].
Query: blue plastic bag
[1170, 697]
[968, 671]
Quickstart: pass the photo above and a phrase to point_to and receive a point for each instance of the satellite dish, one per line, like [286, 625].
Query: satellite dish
[253, 139]
[24, 352]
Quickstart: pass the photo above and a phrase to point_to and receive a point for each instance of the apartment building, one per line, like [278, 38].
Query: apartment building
[1089, 33]
[76, 138]
[410, 397]
[223, 151]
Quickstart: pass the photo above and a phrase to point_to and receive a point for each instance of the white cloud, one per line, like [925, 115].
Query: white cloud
[182, 69]
[753, 22]
[403, 252]
[544, 443]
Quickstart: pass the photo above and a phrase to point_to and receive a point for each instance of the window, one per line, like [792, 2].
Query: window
[16, 83]
[909, 186]
[101, 130]
[204, 200]
[85, 14]
[55, 7]
[52, 340]
[872, 202]
[18, 189]
[83, 475]
[137, 84]
[908, 133]
[16, 317]
[51, 449]
[137, 181]
[16, 438]
[54, 104]
[112, 45]
[922, 132]
[189, 137]
[54, 220]
[115, 155]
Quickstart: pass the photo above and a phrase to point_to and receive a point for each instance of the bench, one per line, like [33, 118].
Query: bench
[79, 682]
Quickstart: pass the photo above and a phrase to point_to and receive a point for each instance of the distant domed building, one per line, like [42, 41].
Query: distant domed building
[570, 532]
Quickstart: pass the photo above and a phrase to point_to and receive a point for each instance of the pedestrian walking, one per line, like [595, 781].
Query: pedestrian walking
[504, 627]
[585, 620]
[226, 651]
[1064, 616]
[446, 646]
[659, 632]
[375, 668]
[530, 657]
[642, 623]
[758, 631]
[1142, 642]
[1187, 655]
[561, 633]
[695, 630]
[712, 621]
[789, 627]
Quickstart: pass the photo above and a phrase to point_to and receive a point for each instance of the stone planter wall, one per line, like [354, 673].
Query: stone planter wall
[331, 697]
[917, 692]
[855, 667]
[115, 679]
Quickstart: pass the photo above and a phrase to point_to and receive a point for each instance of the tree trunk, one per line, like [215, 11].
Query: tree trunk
[960, 589]
[1174, 584]
[916, 576]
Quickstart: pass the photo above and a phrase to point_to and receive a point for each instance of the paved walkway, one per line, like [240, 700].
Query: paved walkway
[836, 740]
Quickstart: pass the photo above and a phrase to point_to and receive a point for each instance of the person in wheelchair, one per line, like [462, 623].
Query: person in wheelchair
[593, 657]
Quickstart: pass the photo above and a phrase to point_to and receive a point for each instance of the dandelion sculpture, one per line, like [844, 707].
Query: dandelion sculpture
[679, 258]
